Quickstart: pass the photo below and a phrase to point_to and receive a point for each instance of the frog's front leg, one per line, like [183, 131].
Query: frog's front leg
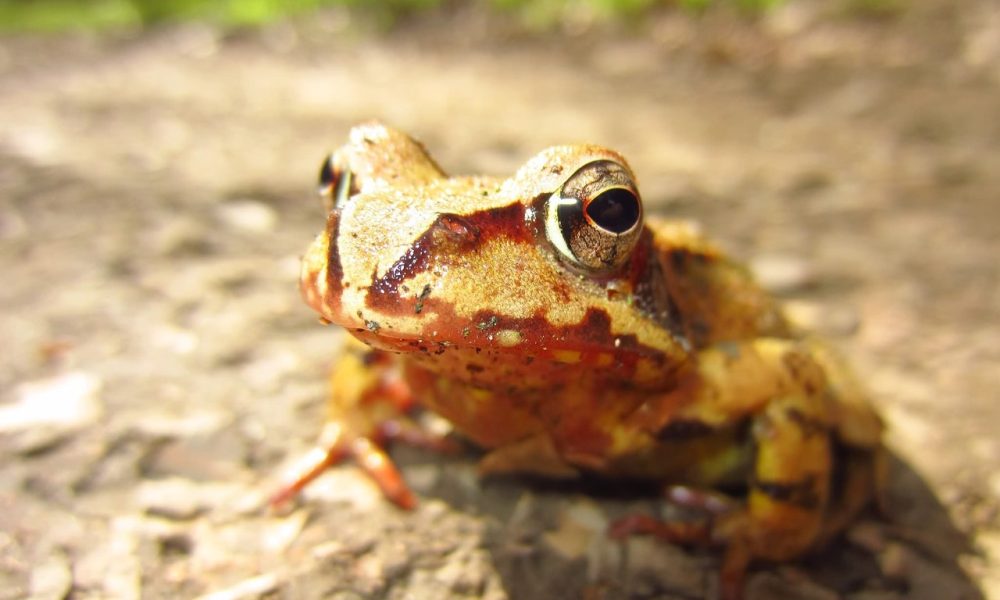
[782, 393]
[367, 408]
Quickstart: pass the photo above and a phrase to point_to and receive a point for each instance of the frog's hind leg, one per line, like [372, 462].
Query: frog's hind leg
[806, 487]
[784, 512]
[788, 491]
[860, 478]
[782, 392]
[367, 409]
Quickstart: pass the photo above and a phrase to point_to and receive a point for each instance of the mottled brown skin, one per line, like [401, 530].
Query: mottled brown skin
[626, 349]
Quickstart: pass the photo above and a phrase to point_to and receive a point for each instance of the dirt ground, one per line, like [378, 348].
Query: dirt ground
[159, 368]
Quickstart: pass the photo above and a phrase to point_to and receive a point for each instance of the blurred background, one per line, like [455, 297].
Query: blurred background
[157, 168]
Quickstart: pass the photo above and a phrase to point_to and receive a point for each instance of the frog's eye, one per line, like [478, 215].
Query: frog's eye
[593, 221]
[336, 182]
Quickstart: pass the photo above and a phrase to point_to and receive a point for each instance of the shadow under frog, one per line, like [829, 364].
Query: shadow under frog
[546, 539]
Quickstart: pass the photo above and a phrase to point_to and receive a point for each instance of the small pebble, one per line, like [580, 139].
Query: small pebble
[180, 499]
[867, 535]
[51, 579]
[787, 586]
[782, 273]
[835, 320]
[219, 457]
[895, 561]
[255, 587]
[67, 402]
[464, 573]
[571, 540]
[175, 424]
[279, 534]
[123, 578]
[173, 498]
[588, 514]
[655, 565]
[250, 216]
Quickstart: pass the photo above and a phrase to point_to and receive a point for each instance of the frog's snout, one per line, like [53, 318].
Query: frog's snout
[321, 261]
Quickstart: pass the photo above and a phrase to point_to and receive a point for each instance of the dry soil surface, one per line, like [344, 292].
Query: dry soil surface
[159, 368]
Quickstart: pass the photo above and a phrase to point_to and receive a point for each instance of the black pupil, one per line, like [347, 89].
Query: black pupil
[616, 210]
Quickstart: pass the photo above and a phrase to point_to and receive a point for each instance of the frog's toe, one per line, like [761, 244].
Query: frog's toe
[373, 459]
[675, 532]
[335, 445]
[720, 525]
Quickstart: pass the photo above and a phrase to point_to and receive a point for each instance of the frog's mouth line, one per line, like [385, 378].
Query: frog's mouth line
[477, 359]
[493, 334]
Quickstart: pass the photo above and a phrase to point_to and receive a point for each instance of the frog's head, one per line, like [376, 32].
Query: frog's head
[553, 264]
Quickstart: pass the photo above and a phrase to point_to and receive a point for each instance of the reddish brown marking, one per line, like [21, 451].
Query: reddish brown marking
[334, 270]
[694, 295]
[802, 493]
[592, 337]
[447, 235]
[650, 289]
[414, 260]
[507, 221]
[676, 532]
[808, 425]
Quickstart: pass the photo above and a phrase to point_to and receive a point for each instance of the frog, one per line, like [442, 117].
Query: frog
[566, 333]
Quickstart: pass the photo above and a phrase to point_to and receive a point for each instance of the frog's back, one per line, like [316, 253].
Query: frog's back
[716, 300]
[713, 298]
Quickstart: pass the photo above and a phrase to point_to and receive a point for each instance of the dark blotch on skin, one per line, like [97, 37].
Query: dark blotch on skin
[808, 425]
[683, 429]
[334, 270]
[488, 323]
[415, 260]
[678, 258]
[793, 362]
[420, 299]
[798, 493]
[370, 358]
[449, 234]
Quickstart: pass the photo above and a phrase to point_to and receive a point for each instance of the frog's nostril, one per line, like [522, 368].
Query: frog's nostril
[616, 210]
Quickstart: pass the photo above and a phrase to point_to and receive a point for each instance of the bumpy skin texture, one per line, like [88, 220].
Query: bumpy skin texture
[664, 361]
